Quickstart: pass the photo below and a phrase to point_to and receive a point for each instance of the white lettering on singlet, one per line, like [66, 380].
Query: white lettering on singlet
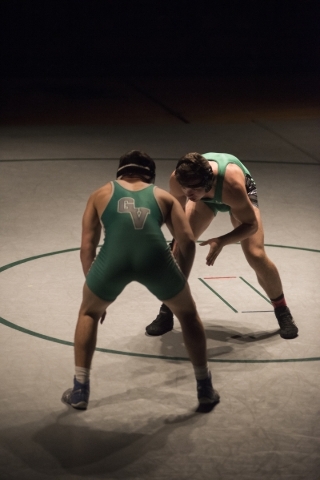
[138, 215]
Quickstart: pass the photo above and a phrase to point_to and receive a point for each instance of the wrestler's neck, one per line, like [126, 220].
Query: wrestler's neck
[133, 183]
[132, 180]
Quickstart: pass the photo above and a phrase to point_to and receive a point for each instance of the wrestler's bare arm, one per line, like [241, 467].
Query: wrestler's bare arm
[177, 222]
[234, 195]
[91, 232]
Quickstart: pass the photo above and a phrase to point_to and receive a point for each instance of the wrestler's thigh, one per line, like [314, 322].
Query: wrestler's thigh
[255, 242]
[182, 304]
[91, 304]
[200, 216]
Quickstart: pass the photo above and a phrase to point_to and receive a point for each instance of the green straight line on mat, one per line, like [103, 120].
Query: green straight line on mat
[257, 291]
[145, 355]
[216, 293]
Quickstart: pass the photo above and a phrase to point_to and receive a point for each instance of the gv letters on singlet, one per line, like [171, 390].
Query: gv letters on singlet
[138, 215]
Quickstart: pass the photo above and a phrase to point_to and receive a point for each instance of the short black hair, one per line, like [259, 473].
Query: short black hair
[137, 163]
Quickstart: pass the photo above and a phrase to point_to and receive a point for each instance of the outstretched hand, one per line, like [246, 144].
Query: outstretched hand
[215, 248]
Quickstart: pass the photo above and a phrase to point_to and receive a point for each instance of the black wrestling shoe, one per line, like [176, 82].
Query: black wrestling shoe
[206, 392]
[288, 328]
[162, 324]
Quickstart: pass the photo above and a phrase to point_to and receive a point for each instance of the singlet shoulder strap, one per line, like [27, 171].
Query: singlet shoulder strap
[219, 184]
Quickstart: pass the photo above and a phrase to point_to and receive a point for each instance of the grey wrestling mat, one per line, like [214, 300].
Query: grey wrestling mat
[141, 421]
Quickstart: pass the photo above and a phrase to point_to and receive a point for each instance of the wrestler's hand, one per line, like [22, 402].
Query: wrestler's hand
[215, 248]
[103, 316]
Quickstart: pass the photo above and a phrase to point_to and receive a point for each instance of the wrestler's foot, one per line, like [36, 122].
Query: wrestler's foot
[162, 324]
[78, 396]
[288, 328]
[206, 392]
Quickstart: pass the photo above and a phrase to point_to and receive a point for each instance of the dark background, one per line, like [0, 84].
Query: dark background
[98, 38]
[92, 39]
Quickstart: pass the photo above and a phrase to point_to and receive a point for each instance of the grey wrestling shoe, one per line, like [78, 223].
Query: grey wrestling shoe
[288, 328]
[162, 324]
[78, 396]
[206, 392]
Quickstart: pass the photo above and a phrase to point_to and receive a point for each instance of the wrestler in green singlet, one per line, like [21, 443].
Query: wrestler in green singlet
[223, 160]
[134, 248]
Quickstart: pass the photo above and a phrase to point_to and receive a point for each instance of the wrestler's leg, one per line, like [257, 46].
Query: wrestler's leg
[91, 311]
[200, 216]
[254, 251]
[268, 277]
[183, 306]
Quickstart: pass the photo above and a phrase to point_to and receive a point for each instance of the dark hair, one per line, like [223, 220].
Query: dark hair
[194, 166]
[138, 164]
